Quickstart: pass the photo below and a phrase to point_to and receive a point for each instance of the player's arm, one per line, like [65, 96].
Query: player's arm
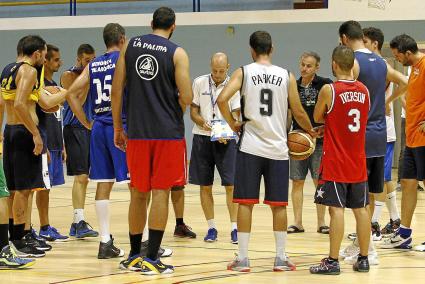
[324, 101]
[1, 117]
[223, 99]
[25, 81]
[48, 101]
[195, 109]
[297, 109]
[399, 79]
[182, 76]
[77, 94]
[356, 69]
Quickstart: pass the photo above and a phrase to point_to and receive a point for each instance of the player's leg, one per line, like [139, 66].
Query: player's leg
[181, 229]
[298, 173]
[233, 214]
[401, 153]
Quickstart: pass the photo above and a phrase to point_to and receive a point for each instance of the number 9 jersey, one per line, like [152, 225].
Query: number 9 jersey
[344, 155]
[264, 107]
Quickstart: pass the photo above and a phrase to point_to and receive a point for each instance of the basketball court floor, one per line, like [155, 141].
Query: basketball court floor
[195, 261]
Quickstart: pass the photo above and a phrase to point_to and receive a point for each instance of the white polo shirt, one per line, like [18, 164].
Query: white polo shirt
[205, 94]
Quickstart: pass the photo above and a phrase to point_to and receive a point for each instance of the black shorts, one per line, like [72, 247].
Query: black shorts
[414, 163]
[207, 154]
[22, 169]
[375, 174]
[250, 169]
[345, 195]
[77, 146]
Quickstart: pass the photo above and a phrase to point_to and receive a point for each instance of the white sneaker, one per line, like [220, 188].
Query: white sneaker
[420, 247]
[350, 251]
[372, 257]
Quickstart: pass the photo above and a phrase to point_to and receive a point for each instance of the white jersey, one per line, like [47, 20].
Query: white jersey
[391, 135]
[264, 96]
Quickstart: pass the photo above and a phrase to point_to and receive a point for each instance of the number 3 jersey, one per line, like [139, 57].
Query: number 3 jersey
[264, 106]
[102, 70]
[344, 155]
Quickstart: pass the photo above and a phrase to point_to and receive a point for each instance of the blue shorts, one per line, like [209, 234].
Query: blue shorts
[388, 163]
[107, 162]
[56, 168]
[250, 169]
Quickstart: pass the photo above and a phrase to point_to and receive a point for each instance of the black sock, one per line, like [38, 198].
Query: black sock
[4, 237]
[135, 243]
[18, 231]
[27, 232]
[11, 229]
[44, 228]
[331, 260]
[179, 221]
[361, 257]
[155, 239]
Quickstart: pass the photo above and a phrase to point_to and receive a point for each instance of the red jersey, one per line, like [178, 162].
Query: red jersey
[344, 156]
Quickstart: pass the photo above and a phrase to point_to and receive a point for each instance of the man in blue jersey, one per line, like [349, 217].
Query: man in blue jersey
[371, 70]
[155, 72]
[107, 163]
[77, 141]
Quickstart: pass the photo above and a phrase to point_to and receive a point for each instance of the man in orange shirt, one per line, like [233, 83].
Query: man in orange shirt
[405, 50]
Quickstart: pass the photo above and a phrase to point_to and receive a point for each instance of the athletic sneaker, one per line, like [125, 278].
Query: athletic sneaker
[162, 252]
[283, 265]
[211, 235]
[350, 251]
[52, 235]
[372, 257]
[352, 236]
[72, 229]
[36, 242]
[420, 247]
[108, 250]
[9, 259]
[154, 267]
[361, 265]
[234, 237]
[24, 249]
[391, 227]
[376, 231]
[326, 267]
[132, 263]
[35, 235]
[184, 231]
[397, 241]
[84, 230]
[241, 265]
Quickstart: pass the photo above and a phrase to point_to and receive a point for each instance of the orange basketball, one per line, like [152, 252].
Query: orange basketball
[51, 91]
[300, 144]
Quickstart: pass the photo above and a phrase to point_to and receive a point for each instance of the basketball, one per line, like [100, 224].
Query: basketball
[300, 144]
[51, 91]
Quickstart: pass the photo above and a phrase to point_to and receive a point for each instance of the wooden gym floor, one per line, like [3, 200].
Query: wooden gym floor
[196, 261]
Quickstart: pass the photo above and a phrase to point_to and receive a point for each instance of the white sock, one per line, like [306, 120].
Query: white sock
[211, 224]
[280, 242]
[234, 226]
[392, 205]
[243, 241]
[78, 215]
[378, 211]
[102, 211]
[145, 235]
[371, 245]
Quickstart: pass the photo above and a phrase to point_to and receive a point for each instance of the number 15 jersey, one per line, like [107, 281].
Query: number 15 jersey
[264, 107]
[344, 155]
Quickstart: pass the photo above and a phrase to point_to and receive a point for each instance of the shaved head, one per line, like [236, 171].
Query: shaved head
[219, 67]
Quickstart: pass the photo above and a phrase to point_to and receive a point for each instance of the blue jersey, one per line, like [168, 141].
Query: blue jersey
[102, 71]
[373, 74]
[68, 116]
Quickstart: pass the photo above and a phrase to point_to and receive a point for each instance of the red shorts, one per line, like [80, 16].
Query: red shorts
[158, 164]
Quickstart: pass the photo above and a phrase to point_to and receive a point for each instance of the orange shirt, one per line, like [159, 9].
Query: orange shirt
[415, 105]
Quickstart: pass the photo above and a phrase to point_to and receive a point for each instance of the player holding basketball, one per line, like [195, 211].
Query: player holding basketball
[343, 106]
[156, 74]
[108, 164]
[266, 90]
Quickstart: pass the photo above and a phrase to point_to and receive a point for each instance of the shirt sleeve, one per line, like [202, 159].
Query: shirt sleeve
[235, 102]
[195, 88]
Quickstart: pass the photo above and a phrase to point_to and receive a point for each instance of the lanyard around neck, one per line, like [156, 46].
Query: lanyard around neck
[214, 102]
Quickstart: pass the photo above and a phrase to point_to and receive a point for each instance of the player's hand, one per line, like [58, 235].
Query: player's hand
[387, 109]
[320, 131]
[1, 137]
[38, 144]
[236, 126]
[206, 126]
[422, 126]
[64, 156]
[314, 132]
[88, 125]
[49, 158]
[120, 139]
[222, 140]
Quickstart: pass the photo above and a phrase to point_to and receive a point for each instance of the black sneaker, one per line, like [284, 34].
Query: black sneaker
[24, 249]
[84, 230]
[361, 265]
[184, 231]
[420, 188]
[37, 243]
[161, 251]
[376, 231]
[326, 267]
[391, 227]
[108, 250]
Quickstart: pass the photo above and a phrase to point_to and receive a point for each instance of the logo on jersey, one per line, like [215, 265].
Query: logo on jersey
[147, 67]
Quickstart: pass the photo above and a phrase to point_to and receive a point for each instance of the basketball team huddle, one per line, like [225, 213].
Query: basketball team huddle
[123, 123]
